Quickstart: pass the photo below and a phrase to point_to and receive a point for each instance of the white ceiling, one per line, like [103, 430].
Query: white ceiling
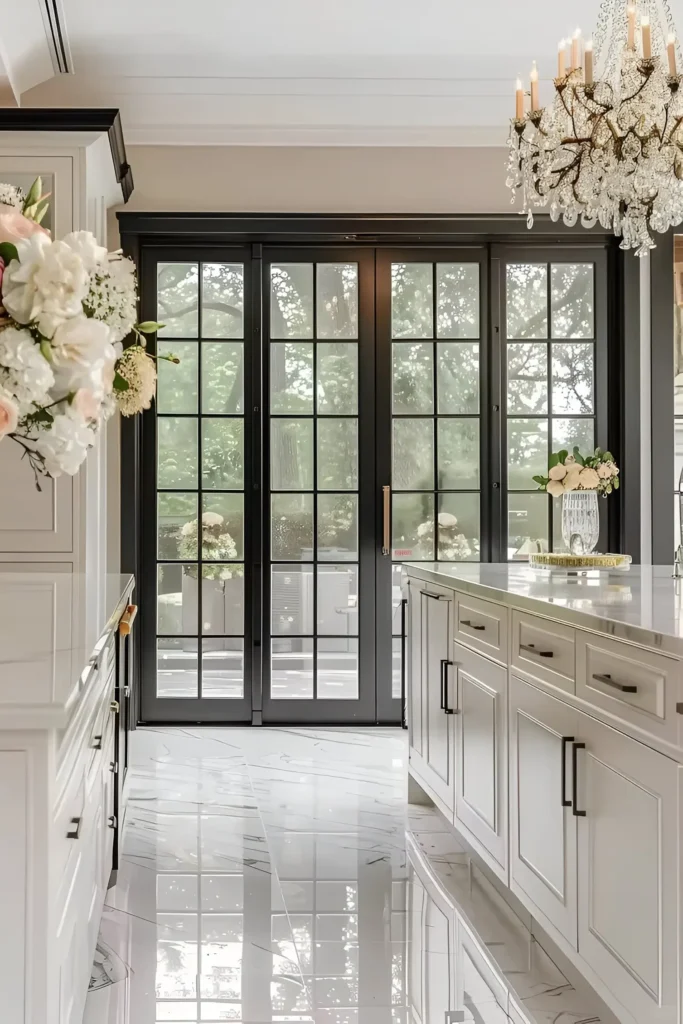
[361, 72]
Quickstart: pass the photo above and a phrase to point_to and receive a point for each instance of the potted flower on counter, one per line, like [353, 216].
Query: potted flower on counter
[579, 479]
[66, 308]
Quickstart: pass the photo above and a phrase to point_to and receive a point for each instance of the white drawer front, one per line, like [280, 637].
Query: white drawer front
[544, 650]
[483, 626]
[636, 686]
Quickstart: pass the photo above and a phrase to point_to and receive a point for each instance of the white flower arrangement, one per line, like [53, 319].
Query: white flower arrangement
[576, 472]
[453, 545]
[217, 545]
[67, 306]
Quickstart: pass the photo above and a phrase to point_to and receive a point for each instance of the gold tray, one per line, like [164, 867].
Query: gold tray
[563, 560]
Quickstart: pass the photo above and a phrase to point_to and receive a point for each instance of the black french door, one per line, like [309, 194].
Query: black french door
[338, 410]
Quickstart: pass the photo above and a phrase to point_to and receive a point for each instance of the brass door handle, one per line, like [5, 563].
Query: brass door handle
[114, 706]
[386, 519]
[127, 619]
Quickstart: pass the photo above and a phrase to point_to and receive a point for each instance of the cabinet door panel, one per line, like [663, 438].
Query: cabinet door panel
[481, 756]
[439, 620]
[628, 869]
[542, 830]
[415, 619]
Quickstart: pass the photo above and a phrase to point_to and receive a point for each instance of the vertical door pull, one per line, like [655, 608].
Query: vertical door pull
[565, 741]
[575, 779]
[386, 520]
[444, 688]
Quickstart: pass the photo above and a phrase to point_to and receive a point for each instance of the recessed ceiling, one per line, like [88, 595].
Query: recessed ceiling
[362, 72]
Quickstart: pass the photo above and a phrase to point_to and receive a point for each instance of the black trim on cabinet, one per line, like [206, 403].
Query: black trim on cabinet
[75, 119]
[662, 400]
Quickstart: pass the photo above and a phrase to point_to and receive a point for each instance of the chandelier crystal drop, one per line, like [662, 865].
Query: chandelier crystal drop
[610, 147]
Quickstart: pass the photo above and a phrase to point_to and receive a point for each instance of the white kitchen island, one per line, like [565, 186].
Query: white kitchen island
[63, 722]
[546, 724]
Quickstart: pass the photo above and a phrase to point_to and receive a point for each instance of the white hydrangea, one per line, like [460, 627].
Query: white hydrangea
[24, 371]
[46, 285]
[113, 295]
[65, 444]
[138, 369]
[12, 195]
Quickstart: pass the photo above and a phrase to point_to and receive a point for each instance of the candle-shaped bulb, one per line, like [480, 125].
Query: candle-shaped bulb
[671, 52]
[588, 61]
[534, 87]
[576, 49]
[631, 35]
[561, 58]
[646, 36]
[519, 100]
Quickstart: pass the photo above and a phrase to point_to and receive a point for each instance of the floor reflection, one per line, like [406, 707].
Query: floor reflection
[268, 876]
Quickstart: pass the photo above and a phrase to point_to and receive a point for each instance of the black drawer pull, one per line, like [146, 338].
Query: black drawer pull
[532, 649]
[472, 625]
[575, 779]
[435, 597]
[74, 833]
[444, 687]
[565, 741]
[604, 677]
[97, 743]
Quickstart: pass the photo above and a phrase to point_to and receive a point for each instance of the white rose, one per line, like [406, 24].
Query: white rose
[83, 355]
[588, 479]
[9, 414]
[557, 472]
[46, 285]
[64, 445]
[555, 488]
[85, 245]
[571, 481]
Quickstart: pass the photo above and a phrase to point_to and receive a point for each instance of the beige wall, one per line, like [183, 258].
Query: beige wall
[313, 179]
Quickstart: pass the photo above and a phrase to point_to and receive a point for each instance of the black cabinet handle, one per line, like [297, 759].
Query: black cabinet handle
[605, 677]
[565, 741]
[472, 625]
[532, 649]
[74, 833]
[435, 597]
[575, 779]
[444, 687]
[97, 743]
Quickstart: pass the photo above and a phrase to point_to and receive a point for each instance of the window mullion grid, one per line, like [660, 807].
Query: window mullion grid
[315, 482]
[200, 486]
[435, 420]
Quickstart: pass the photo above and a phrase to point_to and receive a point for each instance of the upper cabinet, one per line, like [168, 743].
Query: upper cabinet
[81, 158]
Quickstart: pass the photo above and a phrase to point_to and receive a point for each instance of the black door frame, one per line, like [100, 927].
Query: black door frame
[182, 230]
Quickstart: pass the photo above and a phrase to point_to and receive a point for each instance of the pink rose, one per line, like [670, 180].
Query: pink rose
[9, 414]
[87, 404]
[14, 226]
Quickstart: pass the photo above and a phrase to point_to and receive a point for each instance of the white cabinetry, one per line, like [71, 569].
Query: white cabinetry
[481, 755]
[628, 868]
[431, 953]
[431, 626]
[542, 825]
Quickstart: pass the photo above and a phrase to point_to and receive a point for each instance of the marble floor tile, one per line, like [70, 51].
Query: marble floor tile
[280, 875]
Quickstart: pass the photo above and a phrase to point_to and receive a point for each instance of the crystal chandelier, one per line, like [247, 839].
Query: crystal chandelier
[610, 147]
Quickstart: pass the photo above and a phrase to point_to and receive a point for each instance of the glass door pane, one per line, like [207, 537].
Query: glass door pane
[319, 614]
[431, 348]
[202, 531]
[550, 332]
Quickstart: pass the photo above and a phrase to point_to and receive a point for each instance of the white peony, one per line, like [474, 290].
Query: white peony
[212, 519]
[603, 471]
[46, 285]
[555, 488]
[65, 444]
[85, 245]
[571, 481]
[24, 370]
[557, 472]
[83, 355]
[447, 519]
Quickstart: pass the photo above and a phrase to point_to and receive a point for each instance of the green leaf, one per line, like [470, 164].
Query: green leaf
[562, 456]
[120, 383]
[607, 457]
[46, 350]
[578, 457]
[553, 460]
[41, 209]
[8, 252]
[42, 416]
[149, 327]
[34, 194]
[615, 483]
[539, 479]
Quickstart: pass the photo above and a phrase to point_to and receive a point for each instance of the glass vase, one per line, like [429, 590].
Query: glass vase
[580, 521]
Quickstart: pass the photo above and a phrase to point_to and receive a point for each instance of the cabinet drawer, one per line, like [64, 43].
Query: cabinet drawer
[483, 626]
[544, 650]
[636, 686]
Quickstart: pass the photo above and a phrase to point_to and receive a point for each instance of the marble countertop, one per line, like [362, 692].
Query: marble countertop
[45, 661]
[643, 604]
